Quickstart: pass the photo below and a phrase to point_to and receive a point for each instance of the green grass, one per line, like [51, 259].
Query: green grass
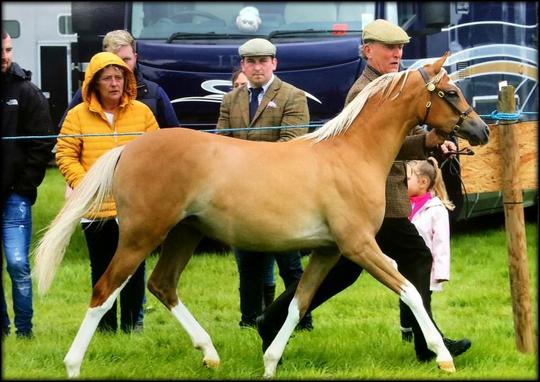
[356, 333]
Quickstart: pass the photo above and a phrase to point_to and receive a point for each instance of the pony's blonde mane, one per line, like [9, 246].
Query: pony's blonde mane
[340, 123]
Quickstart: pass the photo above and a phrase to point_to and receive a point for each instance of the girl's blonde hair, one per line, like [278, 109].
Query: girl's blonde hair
[430, 169]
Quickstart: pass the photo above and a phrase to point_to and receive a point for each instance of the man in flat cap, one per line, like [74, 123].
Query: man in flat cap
[398, 238]
[270, 101]
[265, 101]
[382, 48]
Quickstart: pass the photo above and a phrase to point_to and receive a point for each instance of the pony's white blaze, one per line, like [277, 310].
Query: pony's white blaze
[199, 337]
[75, 355]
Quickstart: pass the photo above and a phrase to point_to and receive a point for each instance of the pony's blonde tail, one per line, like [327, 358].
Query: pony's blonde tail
[95, 187]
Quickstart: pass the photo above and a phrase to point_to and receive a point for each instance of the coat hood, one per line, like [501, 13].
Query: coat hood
[100, 61]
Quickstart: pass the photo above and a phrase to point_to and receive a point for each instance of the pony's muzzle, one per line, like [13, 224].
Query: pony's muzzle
[476, 133]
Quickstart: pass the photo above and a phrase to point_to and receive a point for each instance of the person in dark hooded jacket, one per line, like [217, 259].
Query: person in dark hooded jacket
[122, 43]
[25, 112]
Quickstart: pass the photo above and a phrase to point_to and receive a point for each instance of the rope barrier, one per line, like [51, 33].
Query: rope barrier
[219, 131]
[495, 115]
[500, 116]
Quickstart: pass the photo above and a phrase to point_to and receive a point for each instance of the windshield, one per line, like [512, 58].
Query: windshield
[182, 20]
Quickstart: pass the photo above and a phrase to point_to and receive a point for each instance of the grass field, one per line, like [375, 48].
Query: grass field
[356, 333]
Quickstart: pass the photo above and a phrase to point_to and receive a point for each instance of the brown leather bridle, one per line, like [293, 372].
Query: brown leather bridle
[430, 86]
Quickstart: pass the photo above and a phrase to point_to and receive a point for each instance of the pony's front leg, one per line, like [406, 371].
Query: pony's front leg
[434, 341]
[274, 352]
[320, 263]
[75, 355]
[370, 257]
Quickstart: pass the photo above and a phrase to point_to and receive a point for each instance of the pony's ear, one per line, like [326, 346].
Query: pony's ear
[437, 65]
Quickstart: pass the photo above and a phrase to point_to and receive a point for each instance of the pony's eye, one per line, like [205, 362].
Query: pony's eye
[451, 93]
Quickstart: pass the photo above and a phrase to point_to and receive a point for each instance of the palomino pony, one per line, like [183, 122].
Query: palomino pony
[324, 191]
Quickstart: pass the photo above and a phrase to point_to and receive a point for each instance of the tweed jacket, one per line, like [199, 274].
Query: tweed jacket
[397, 201]
[282, 105]
[75, 155]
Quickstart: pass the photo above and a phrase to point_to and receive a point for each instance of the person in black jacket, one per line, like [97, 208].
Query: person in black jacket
[25, 112]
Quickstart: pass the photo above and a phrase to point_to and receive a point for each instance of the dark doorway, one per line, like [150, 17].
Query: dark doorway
[53, 62]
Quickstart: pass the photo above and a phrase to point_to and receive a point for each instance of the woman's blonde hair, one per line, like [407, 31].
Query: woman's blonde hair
[430, 169]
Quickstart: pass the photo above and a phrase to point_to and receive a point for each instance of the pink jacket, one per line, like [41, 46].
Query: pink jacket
[433, 224]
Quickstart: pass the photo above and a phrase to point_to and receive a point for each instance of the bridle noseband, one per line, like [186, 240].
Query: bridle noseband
[430, 86]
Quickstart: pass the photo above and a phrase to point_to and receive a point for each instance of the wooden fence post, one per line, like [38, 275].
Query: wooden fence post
[515, 224]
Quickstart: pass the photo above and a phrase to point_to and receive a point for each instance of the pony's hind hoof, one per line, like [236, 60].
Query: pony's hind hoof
[211, 363]
[447, 366]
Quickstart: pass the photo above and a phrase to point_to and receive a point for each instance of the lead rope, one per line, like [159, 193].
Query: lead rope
[454, 169]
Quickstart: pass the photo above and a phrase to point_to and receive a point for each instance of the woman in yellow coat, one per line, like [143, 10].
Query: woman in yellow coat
[109, 108]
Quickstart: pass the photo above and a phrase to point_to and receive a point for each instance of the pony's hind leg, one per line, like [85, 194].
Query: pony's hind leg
[320, 263]
[175, 254]
[104, 294]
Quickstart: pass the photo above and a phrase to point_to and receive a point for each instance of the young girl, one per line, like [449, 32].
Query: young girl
[430, 205]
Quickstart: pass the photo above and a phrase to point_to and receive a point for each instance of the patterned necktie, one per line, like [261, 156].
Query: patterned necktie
[254, 102]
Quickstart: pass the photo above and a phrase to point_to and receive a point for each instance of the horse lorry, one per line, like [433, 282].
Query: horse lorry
[191, 49]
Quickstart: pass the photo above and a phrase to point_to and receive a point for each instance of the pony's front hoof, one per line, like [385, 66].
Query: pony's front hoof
[73, 366]
[270, 366]
[268, 374]
[211, 363]
[73, 371]
[447, 366]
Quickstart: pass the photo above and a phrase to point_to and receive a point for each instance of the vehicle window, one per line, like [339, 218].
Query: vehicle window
[162, 19]
[64, 25]
[12, 27]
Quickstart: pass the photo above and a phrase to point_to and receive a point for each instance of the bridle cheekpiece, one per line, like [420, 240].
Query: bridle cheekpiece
[431, 88]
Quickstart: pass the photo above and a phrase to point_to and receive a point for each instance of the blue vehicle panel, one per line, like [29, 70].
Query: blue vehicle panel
[198, 81]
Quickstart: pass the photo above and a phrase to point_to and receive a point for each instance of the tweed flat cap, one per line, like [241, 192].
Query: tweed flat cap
[384, 31]
[257, 47]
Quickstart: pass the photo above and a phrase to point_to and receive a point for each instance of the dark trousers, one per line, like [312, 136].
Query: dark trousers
[102, 240]
[252, 266]
[399, 239]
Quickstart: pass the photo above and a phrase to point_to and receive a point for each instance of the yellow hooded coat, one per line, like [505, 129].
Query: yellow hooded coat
[76, 155]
